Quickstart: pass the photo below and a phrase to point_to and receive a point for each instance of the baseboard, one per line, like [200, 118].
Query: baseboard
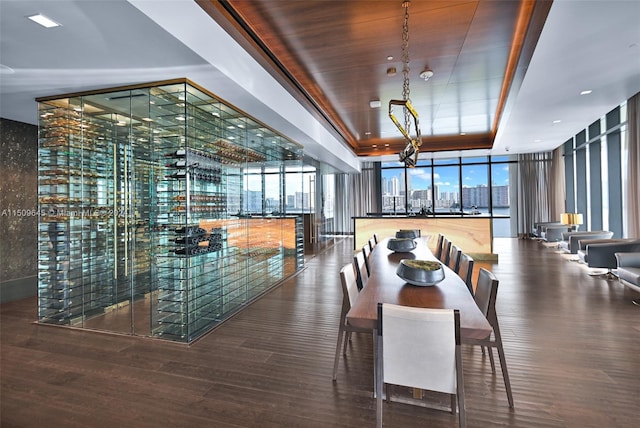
[18, 289]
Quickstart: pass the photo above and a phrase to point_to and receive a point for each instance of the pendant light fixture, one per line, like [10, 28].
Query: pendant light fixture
[409, 155]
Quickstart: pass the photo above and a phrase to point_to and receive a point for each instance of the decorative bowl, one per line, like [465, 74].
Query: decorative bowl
[420, 272]
[401, 245]
[407, 233]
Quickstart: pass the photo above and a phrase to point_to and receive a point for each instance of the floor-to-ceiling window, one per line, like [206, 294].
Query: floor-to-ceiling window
[477, 186]
[595, 170]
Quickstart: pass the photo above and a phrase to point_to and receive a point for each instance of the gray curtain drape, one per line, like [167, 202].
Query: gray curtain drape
[558, 190]
[355, 196]
[633, 162]
[536, 187]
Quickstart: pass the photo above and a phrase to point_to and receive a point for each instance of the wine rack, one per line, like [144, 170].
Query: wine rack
[141, 198]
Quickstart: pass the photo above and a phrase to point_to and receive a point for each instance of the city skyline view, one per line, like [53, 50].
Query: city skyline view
[447, 181]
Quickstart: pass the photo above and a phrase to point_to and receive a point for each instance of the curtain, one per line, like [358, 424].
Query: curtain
[356, 195]
[558, 191]
[535, 184]
[342, 208]
[633, 162]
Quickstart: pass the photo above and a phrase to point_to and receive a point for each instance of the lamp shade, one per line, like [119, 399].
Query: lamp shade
[571, 218]
[577, 219]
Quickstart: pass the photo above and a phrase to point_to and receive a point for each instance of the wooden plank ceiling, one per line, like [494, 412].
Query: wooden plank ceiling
[336, 54]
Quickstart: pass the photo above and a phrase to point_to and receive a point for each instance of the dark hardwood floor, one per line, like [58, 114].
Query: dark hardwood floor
[572, 343]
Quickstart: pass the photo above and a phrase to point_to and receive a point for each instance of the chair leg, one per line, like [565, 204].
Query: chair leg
[378, 380]
[347, 339]
[491, 360]
[503, 362]
[462, 414]
[505, 374]
[341, 332]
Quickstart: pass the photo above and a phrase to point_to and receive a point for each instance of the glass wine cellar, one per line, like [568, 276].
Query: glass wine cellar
[145, 221]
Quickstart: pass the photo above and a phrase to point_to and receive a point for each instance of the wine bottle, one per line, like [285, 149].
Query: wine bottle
[180, 153]
[178, 175]
[189, 240]
[191, 231]
[188, 251]
[178, 164]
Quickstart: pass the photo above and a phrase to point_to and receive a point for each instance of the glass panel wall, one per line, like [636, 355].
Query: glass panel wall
[156, 210]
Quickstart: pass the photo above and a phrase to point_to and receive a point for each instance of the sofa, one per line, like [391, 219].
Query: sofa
[629, 269]
[570, 240]
[602, 254]
[538, 227]
[553, 232]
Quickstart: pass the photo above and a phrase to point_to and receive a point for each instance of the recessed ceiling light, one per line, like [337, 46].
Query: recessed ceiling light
[557, 121]
[44, 21]
[375, 104]
[587, 92]
[537, 141]
[390, 58]
[367, 133]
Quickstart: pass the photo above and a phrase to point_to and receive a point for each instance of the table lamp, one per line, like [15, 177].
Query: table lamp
[572, 219]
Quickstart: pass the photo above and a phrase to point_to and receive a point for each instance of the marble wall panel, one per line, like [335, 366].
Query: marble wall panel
[18, 200]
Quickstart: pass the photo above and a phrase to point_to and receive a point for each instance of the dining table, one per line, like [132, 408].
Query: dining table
[385, 286]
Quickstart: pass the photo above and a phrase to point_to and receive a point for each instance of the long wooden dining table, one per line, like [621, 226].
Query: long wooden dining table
[384, 286]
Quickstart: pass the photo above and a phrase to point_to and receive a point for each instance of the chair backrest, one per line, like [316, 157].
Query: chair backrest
[439, 245]
[362, 276]
[454, 259]
[349, 287]
[446, 249]
[366, 250]
[372, 243]
[419, 346]
[465, 270]
[375, 238]
[486, 293]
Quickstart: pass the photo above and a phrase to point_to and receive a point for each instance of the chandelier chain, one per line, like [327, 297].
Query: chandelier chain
[406, 91]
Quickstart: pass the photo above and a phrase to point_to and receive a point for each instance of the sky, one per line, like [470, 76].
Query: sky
[447, 176]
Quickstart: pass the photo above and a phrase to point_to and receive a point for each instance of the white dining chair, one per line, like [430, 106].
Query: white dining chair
[454, 258]
[349, 296]
[485, 297]
[439, 246]
[362, 273]
[419, 348]
[465, 270]
[446, 251]
[366, 251]
[372, 243]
